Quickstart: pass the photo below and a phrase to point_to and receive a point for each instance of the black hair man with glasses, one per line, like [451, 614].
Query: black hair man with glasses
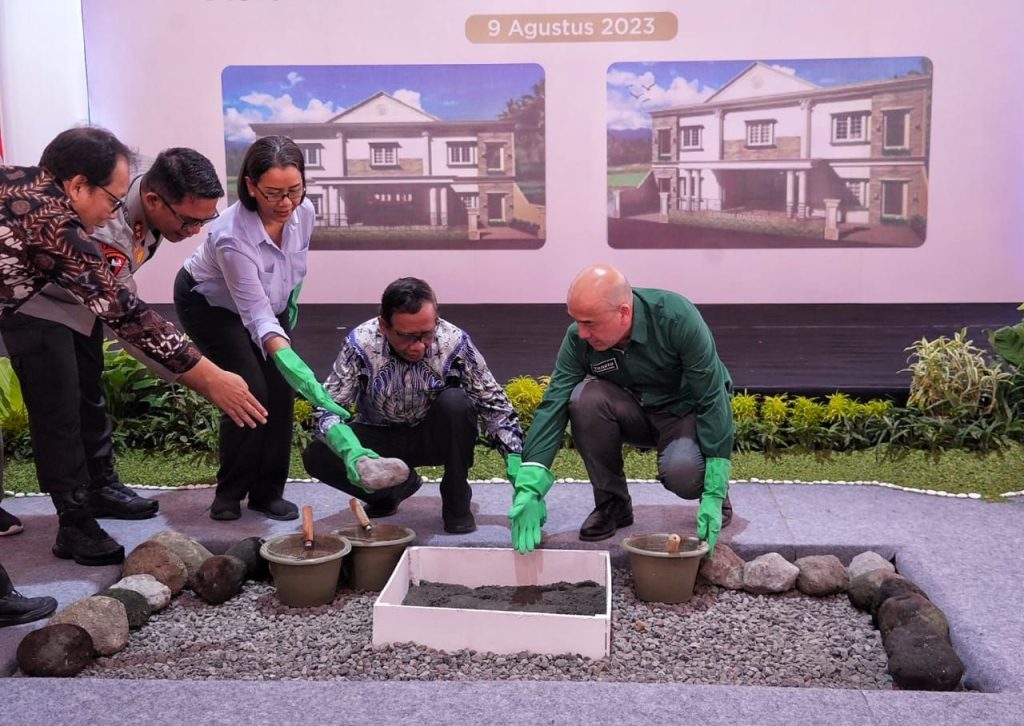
[419, 386]
[63, 386]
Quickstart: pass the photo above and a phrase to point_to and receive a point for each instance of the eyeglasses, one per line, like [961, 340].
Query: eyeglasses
[116, 201]
[411, 338]
[276, 196]
[186, 222]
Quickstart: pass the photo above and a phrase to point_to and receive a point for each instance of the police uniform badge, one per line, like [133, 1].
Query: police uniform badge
[117, 260]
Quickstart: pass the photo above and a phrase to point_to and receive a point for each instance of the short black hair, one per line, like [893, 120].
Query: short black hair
[405, 295]
[179, 171]
[90, 151]
[267, 153]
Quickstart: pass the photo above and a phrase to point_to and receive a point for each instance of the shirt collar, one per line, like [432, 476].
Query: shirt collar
[135, 214]
[638, 334]
[253, 226]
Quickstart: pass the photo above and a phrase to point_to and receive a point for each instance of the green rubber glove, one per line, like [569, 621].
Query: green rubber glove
[303, 381]
[343, 441]
[716, 487]
[512, 464]
[529, 512]
[293, 307]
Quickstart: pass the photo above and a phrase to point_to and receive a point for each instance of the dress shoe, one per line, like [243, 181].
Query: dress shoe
[280, 509]
[386, 505]
[224, 509]
[9, 524]
[79, 535]
[605, 519]
[460, 524]
[114, 500]
[16, 609]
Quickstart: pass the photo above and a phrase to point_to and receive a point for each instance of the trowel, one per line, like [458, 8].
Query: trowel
[357, 509]
[307, 529]
[672, 544]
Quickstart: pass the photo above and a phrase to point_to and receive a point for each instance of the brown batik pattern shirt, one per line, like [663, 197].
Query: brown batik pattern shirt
[42, 240]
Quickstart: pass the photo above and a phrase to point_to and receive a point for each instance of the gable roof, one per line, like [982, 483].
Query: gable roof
[385, 105]
[753, 80]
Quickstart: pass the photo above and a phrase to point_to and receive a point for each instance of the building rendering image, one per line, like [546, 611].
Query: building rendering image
[772, 159]
[386, 172]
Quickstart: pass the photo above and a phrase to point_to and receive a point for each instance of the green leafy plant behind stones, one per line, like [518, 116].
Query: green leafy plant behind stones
[952, 378]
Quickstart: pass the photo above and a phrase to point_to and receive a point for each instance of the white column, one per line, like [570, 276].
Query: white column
[790, 202]
[342, 211]
[700, 188]
[432, 196]
[444, 206]
[802, 208]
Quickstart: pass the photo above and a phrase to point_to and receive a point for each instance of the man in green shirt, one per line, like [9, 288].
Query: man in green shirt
[636, 367]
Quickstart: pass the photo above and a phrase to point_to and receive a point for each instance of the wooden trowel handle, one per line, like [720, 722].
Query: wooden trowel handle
[307, 527]
[672, 544]
[357, 509]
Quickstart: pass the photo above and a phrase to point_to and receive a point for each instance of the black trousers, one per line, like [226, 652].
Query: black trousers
[61, 376]
[446, 437]
[253, 462]
[604, 417]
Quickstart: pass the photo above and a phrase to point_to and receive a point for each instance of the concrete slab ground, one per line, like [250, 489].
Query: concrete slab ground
[962, 552]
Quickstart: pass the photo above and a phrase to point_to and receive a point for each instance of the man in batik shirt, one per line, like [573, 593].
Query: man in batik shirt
[419, 386]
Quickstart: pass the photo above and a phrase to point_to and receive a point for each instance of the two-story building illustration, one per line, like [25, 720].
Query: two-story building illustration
[768, 141]
[385, 163]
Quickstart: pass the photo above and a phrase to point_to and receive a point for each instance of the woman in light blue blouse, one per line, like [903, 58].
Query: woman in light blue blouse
[236, 297]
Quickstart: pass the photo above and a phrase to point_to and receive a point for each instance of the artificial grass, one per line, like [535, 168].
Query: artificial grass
[953, 471]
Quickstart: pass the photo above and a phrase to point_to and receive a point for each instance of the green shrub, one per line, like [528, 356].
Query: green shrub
[13, 414]
[952, 378]
[525, 393]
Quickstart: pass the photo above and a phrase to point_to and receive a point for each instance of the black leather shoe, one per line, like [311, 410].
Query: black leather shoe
[280, 509]
[81, 539]
[460, 524]
[386, 506]
[726, 512]
[16, 609]
[225, 510]
[605, 519]
[116, 501]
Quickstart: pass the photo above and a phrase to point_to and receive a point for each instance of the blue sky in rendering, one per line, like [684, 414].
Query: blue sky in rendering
[297, 94]
[657, 85]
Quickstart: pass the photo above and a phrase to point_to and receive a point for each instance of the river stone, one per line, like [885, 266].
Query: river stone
[724, 568]
[821, 575]
[157, 594]
[868, 561]
[56, 651]
[135, 605]
[219, 579]
[863, 587]
[891, 587]
[248, 551]
[382, 473]
[152, 558]
[104, 618]
[192, 553]
[911, 608]
[920, 660]
[769, 573]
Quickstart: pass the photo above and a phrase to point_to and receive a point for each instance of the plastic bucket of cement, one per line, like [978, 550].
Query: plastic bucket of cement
[662, 576]
[305, 578]
[375, 555]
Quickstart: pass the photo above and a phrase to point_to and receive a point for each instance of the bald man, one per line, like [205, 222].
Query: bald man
[638, 366]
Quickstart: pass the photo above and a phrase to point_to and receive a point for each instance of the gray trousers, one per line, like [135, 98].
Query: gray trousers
[604, 417]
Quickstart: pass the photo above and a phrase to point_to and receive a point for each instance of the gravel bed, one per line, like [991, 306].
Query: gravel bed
[718, 637]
